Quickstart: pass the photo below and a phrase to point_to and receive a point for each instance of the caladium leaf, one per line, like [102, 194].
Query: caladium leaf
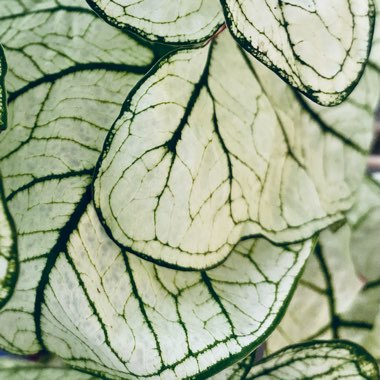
[339, 293]
[69, 73]
[318, 47]
[117, 315]
[203, 156]
[168, 21]
[328, 360]
[15, 369]
[8, 249]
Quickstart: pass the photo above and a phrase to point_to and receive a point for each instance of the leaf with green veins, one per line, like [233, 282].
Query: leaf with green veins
[3, 93]
[341, 282]
[328, 360]
[203, 156]
[15, 369]
[117, 315]
[166, 21]
[319, 47]
[72, 74]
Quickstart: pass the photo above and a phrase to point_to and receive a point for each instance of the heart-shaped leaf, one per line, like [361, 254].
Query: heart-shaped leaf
[319, 47]
[203, 156]
[15, 369]
[168, 21]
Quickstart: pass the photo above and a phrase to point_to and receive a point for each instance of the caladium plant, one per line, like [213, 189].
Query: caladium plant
[167, 244]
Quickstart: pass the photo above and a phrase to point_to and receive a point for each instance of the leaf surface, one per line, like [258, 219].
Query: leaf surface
[318, 47]
[68, 75]
[203, 156]
[342, 282]
[14, 369]
[167, 21]
[328, 360]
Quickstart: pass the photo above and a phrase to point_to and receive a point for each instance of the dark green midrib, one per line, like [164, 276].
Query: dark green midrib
[58, 248]
[92, 66]
[51, 177]
[334, 319]
[324, 126]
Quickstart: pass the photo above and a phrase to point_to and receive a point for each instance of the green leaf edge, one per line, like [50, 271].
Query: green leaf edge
[362, 354]
[157, 39]
[309, 93]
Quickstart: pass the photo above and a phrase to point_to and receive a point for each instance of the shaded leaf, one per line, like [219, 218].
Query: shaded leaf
[14, 369]
[168, 21]
[203, 157]
[339, 293]
[318, 47]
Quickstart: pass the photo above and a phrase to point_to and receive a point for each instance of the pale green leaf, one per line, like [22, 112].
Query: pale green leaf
[168, 21]
[15, 369]
[327, 360]
[69, 74]
[203, 156]
[78, 295]
[319, 47]
[112, 313]
[339, 293]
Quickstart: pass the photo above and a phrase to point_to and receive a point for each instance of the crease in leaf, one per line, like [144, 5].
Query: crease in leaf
[68, 76]
[165, 21]
[341, 281]
[3, 93]
[203, 156]
[320, 48]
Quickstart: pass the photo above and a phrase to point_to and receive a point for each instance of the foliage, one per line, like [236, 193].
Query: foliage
[163, 190]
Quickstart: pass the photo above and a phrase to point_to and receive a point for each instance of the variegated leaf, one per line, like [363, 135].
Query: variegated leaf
[168, 21]
[319, 47]
[339, 293]
[69, 73]
[203, 156]
[112, 313]
[15, 369]
[327, 360]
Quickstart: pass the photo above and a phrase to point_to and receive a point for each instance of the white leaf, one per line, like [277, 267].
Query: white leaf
[203, 156]
[319, 47]
[168, 21]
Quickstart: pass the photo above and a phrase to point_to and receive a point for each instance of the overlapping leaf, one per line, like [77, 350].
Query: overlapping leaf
[169, 21]
[118, 315]
[203, 156]
[318, 47]
[78, 295]
[328, 360]
[14, 369]
[339, 293]
[69, 73]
